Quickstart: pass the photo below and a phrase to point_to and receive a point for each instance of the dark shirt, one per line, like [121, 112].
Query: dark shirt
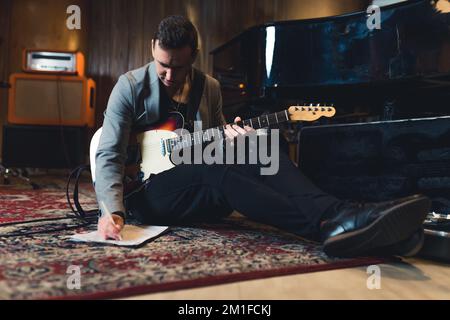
[171, 105]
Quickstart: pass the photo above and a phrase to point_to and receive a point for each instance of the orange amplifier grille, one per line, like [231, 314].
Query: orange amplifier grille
[51, 100]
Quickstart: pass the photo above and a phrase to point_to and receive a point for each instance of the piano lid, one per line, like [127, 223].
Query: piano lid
[413, 42]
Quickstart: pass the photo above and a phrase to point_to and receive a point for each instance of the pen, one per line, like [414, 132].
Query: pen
[108, 213]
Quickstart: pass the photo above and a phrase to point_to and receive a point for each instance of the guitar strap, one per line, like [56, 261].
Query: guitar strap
[195, 96]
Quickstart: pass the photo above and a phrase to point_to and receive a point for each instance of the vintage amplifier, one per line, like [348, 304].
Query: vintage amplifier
[43, 99]
[49, 61]
[378, 161]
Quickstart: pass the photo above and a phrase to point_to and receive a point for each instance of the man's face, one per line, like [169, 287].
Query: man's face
[172, 65]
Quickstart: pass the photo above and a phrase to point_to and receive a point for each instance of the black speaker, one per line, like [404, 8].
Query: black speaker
[49, 147]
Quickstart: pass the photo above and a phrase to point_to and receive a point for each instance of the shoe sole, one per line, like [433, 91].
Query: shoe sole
[416, 249]
[397, 224]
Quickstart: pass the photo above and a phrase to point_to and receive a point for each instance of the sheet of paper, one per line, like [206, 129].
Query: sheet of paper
[131, 235]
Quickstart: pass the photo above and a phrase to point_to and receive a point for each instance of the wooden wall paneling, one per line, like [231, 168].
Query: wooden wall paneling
[136, 37]
[154, 11]
[194, 13]
[99, 56]
[5, 23]
[119, 37]
[205, 25]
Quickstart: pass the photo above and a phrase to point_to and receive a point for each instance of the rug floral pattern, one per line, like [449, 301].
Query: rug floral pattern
[36, 266]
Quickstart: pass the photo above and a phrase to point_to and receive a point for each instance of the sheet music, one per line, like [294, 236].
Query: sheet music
[131, 235]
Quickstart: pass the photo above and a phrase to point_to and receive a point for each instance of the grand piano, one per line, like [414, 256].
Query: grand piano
[391, 89]
[401, 70]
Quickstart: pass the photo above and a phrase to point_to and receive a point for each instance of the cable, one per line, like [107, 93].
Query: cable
[79, 214]
[88, 217]
[88, 221]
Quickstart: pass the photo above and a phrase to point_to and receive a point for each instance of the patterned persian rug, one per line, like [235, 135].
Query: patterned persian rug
[37, 261]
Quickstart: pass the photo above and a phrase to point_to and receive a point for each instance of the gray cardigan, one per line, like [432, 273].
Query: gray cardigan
[124, 112]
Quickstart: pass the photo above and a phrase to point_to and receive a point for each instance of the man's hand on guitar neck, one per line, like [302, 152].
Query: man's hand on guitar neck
[232, 131]
[108, 229]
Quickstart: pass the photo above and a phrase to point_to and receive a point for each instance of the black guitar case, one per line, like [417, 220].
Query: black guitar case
[379, 161]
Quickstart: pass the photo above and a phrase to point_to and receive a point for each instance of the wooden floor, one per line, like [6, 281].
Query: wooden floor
[411, 279]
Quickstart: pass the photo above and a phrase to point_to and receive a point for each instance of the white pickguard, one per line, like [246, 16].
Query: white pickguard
[153, 159]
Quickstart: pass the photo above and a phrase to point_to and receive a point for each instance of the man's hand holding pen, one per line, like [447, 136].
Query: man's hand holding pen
[110, 226]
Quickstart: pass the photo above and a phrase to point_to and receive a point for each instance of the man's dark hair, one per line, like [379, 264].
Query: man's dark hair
[175, 32]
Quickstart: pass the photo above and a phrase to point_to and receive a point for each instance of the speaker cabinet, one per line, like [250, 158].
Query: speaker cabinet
[36, 99]
[50, 147]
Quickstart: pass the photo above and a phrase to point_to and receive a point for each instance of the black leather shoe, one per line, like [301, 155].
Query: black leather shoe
[405, 248]
[360, 228]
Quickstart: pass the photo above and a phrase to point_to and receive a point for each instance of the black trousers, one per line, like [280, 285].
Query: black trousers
[199, 193]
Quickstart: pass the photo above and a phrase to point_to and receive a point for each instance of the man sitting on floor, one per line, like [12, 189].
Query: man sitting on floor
[200, 192]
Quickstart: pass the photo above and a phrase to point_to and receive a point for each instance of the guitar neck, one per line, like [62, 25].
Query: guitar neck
[265, 121]
[294, 113]
[202, 136]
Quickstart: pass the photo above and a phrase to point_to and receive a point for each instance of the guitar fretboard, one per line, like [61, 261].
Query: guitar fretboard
[264, 121]
[208, 135]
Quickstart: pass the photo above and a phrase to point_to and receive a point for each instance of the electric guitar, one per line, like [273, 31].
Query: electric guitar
[158, 142]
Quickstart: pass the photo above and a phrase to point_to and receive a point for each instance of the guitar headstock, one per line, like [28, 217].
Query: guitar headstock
[310, 112]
